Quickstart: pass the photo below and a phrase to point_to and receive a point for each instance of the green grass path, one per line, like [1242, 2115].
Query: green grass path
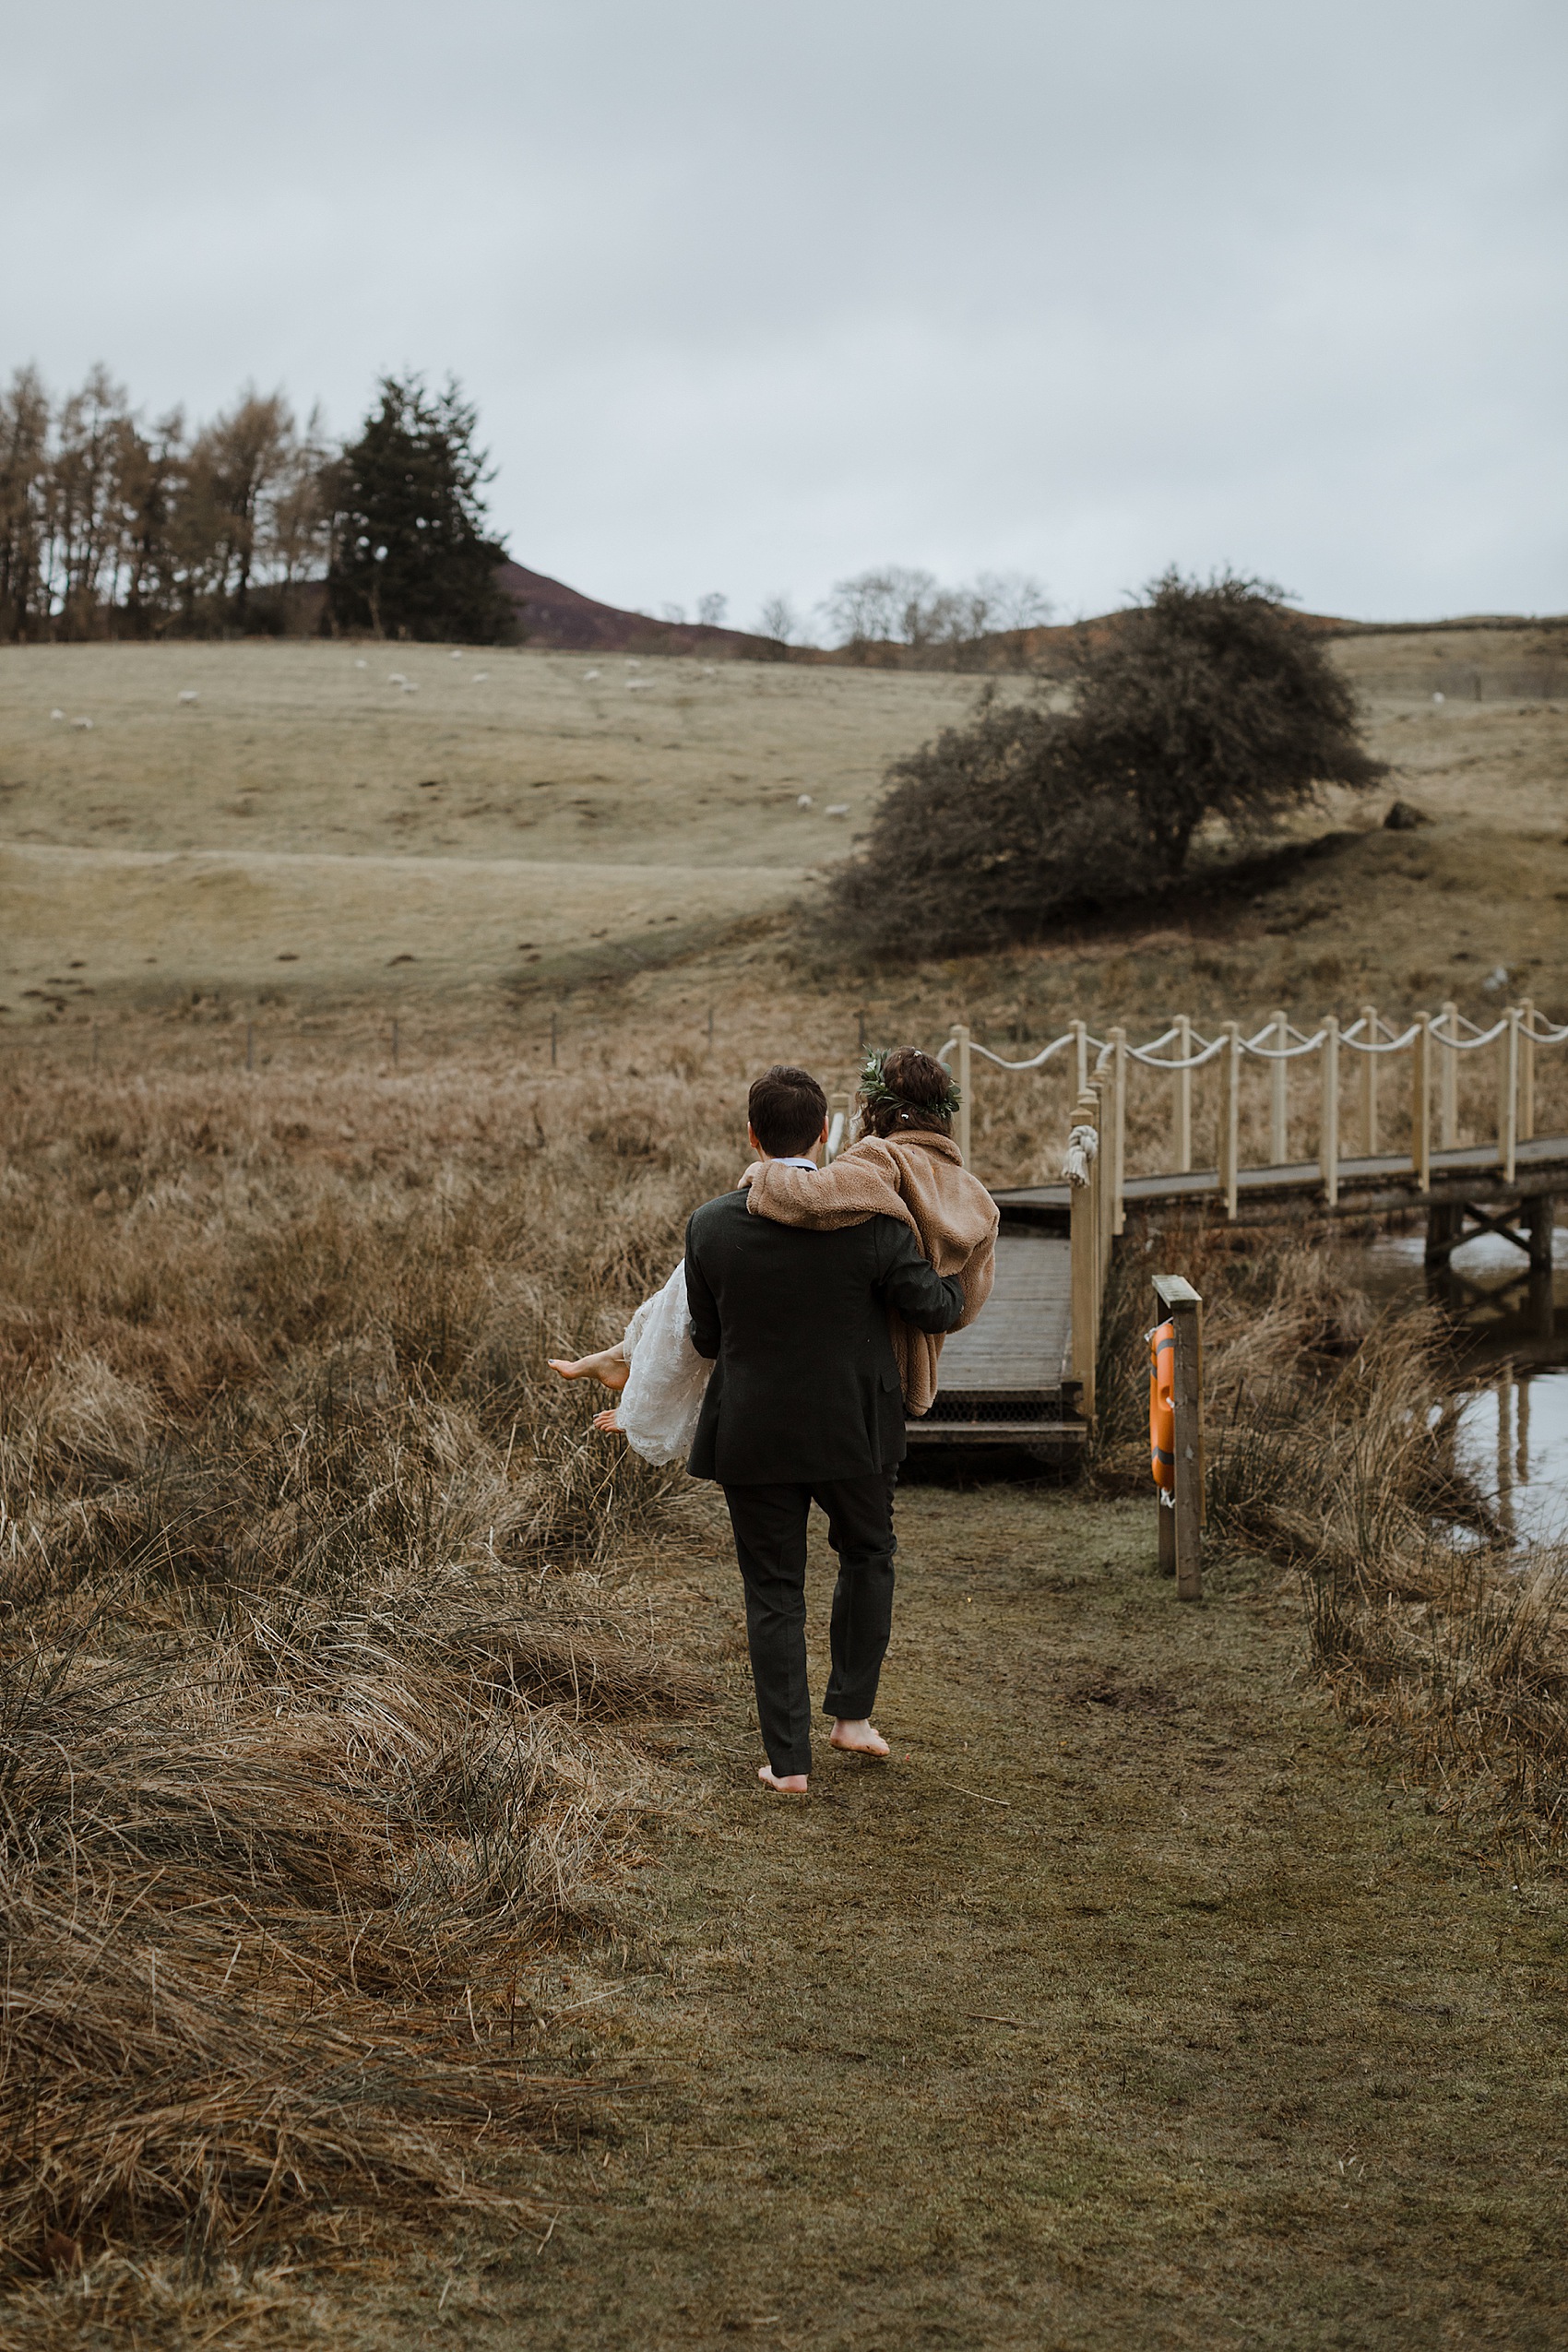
[1282, 2065]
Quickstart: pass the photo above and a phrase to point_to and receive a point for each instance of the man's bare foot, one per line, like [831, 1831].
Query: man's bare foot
[610, 1420]
[609, 1366]
[788, 1783]
[857, 1739]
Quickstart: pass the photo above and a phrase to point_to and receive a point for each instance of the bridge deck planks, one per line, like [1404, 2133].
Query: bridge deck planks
[1020, 1342]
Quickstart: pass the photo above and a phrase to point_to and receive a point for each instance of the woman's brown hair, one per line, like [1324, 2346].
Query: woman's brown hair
[911, 1098]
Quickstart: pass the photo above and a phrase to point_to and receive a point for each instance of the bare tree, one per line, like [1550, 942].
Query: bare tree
[93, 441]
[239, 461]
[297, 521]
[711, 610]
[24, 505]
[931, 625]
[778, 621]
[153, 484]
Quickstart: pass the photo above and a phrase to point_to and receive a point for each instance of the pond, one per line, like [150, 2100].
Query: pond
[1512, 1331]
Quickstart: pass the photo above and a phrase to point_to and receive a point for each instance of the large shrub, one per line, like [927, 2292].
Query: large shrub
[1206, 700]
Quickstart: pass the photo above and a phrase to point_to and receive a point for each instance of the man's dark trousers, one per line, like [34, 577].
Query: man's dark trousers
[770, 1543]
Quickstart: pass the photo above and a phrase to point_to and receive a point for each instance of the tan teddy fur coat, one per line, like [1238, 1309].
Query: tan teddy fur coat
[918, 1177]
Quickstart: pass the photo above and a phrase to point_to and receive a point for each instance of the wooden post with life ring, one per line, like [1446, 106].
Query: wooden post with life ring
[1176, 1445]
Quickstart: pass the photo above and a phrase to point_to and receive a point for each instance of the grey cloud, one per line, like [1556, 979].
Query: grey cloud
[752, 298]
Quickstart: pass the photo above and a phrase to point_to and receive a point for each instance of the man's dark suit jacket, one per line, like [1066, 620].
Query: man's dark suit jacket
[804, 1388]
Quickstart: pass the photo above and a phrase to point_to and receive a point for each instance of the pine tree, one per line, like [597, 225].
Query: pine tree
[410, 558]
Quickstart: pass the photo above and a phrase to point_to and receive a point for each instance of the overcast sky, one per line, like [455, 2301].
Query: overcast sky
[752, 297]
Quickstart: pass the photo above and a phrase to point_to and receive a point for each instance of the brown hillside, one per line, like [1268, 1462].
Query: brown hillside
[561, 619]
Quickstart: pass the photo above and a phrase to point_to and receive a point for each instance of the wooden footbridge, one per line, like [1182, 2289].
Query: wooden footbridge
[1024, 1372]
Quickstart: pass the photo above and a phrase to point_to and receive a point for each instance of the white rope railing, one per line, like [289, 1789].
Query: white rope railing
[1151, 1056]
[1433, 1041]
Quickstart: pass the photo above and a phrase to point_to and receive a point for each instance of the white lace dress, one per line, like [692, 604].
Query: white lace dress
[658, 1406]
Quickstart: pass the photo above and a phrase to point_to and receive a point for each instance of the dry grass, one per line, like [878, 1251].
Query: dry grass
[1330, 1436]
[334, 1726]
[317, 1710]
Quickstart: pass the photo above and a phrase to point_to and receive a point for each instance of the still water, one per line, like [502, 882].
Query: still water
[1513, 1436]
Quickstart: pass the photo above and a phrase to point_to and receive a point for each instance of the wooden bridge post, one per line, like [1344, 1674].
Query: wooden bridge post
[1085, 1264]
[1369, 1084]
[1182, 1545]
[1328, 1125]
[961, 1059]
[1080, 1030]
[1100, 1087]
[1279, 1093]
[1526, 1071]
[1508, 1094]
[1118, 1127]
[1183, 1096]
[1420, 1102]
[1448, 1080]
[1230, 1114]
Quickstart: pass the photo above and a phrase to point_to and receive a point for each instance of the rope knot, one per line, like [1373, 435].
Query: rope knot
[1082, 1149]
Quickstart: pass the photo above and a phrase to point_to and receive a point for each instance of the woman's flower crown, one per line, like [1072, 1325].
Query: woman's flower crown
[875, 1088]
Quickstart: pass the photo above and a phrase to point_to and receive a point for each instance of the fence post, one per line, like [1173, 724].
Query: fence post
[1526, 1071]
[1177, 1298]
[1448, 1081]
[1183, 1096]
[1420, 1102]
[1230, 1115]
[961, 1071]
[1508, 1094]
[1080, 1030]
[1118, 1127]
[1279, 1093]
[1370, 1138]
[1085, 1246]
[838, 1126]
[1328, 1123]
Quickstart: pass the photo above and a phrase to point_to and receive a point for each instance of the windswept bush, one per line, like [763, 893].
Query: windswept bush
[1205, 702]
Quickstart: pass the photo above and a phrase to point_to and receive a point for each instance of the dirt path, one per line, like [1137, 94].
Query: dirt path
[1125, 2009]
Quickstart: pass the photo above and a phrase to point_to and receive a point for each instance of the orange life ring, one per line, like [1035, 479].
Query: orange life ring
[1162, 1406]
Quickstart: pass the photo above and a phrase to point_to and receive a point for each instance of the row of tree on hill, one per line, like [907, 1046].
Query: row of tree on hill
[115, 524]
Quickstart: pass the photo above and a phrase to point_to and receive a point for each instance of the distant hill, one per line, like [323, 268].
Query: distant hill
[552, 615]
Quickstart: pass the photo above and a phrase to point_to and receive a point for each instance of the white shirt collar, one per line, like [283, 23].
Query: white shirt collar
[796, 1159]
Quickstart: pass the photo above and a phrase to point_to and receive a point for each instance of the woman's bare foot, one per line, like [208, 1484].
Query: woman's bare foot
[610, 1420]
[788, 1783]
[609, 1366]
[857, 1739]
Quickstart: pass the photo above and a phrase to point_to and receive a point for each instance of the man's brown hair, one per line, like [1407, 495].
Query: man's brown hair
[787, 1108]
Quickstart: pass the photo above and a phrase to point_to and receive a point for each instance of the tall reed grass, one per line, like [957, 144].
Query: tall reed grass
[320, 1703]
[1330, 1440]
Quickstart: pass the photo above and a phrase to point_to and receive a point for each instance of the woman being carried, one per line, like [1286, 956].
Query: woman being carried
[905, 1165]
